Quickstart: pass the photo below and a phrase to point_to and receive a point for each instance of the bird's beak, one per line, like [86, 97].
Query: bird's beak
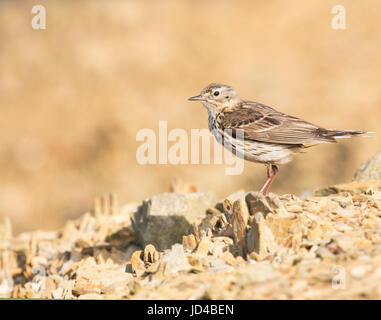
[196, 98]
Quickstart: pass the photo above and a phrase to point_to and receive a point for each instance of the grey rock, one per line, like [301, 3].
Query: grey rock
[165, 218]
[370, 169]
[270, 203]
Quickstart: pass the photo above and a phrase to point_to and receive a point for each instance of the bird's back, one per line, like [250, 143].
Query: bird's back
[264, 124]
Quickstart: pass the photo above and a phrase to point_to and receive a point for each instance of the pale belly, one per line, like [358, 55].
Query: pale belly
[252, 150]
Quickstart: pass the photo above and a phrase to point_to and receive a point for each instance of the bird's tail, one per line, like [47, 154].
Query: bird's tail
[333, 133]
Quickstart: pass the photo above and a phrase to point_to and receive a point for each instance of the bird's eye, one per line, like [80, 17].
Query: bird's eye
[216, 93]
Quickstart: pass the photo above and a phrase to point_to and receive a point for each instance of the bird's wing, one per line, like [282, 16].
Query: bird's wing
[262, 123]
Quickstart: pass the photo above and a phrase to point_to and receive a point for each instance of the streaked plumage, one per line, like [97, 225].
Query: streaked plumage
[258, 132]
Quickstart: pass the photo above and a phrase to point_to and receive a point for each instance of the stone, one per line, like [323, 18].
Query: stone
[219, 246]
[153, 267]
[345, 242]
[238, 195]
[229, 258]
[257, 202]
[203, 246]
[239, 222]
[295, 249]
[324, 253]
[195, 263]
[151, 260]
[232, 198]
[189, 243]
[360, 271]
[165, 218]
[295, 208]
[370, 169]
[175, 260]
[218, 264]
[353, 188]
[260, 238]
[210, 221]
[105, 278]
[228, 206]
[58, 293]
[285, 228]
[150, 255]
[137, 264]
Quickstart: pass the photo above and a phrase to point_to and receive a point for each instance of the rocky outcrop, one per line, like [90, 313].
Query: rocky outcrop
[246, 246]
[370, 169]
[163, 219]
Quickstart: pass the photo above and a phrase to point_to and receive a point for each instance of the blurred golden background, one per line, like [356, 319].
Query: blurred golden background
[74, 96]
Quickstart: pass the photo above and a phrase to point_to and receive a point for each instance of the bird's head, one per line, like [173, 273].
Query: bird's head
[216, 97]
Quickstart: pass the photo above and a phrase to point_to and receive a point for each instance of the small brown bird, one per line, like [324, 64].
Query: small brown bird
[259, 133]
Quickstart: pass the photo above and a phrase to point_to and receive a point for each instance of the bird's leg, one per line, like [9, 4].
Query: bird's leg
[272, 170]
[264, 187]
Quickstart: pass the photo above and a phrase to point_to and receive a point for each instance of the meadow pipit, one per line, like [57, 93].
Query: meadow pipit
[259, 133]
